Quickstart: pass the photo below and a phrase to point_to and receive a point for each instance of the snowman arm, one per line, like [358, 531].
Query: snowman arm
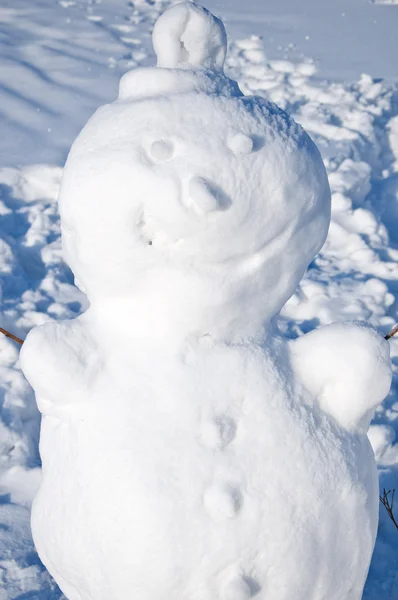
[54, 361]
[346, 367]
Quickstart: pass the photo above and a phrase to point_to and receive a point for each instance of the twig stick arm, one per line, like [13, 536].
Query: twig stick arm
[387, 501]
[11, 335]
[389, 335]
[392, 332]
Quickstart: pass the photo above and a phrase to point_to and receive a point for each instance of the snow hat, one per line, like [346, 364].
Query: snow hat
[190, 45]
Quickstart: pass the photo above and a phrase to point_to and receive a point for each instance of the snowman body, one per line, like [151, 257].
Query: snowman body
[206, 482]
[189, 451]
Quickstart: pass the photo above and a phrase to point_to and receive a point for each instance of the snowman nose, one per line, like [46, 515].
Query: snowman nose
[188, 36]
[206, 197]
[203, 196]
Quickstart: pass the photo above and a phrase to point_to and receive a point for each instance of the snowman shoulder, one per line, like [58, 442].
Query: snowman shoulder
[57, 359]
[346, 367]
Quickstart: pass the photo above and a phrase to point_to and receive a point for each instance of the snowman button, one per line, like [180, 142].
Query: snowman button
[237, 589]
[218, 433]
[223, 502]
[240, 588]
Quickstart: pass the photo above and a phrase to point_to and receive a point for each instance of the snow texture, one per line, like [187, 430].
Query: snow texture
[61, 59]
[173, 406]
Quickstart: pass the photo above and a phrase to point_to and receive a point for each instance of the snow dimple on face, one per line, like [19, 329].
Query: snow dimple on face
[161, 150]
[223, 502]
[240, 144]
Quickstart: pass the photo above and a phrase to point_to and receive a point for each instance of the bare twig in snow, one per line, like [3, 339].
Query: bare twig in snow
[387, 500]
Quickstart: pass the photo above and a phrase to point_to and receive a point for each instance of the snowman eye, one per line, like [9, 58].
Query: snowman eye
[240, 143]
[161, 150]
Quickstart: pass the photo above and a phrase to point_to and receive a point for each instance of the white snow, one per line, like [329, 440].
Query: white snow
[62, 60]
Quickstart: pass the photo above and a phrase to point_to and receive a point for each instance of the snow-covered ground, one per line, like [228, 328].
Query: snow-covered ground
[60, 60]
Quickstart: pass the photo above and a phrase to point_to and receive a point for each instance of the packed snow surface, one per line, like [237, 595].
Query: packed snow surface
[60, 61]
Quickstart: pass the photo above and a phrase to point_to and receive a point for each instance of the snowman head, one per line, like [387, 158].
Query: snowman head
[183, 178]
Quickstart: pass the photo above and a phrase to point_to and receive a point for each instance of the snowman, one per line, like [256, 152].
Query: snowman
[189, 451]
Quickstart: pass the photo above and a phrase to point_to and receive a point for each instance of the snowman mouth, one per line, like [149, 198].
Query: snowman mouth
[142, 229]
